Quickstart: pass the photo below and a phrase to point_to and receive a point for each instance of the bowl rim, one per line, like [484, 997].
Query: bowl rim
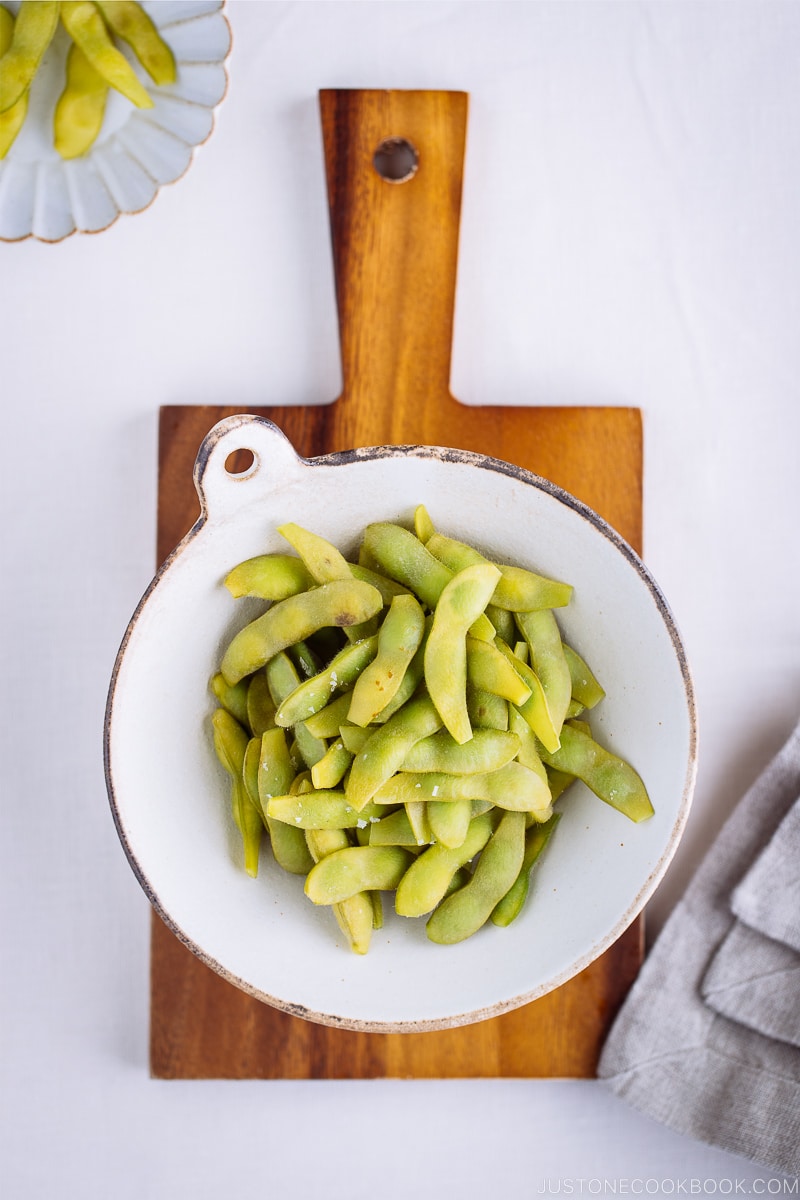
[483, 462]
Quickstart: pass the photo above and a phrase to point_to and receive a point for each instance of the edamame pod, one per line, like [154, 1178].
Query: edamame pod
[388, 746]
[315, 693]
[130, 22]
[356, 916]
[517, 590]
[345, 873]
[535, 709]
[449, 821]
[489, 670]
[609, 777]
[423, 525]
[536, 838]
[12, 120]
[485, 710]
[275, 777]
[326, 722]
[260, 705]
[513, 787]
[426, 881]
[487, 750]
[230, 743]
[320, 809]
[462, 600]
[397, 643]
[463, 913]
[87, 29]
[392, 830]
[342, 603]
[547, 659]
[331, 768]
[282, 678]
[32, 33]
[585, 688]
[269, 577]
[233, 699]
[81, 107]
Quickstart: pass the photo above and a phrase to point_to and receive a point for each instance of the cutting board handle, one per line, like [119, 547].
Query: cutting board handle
[395, 243]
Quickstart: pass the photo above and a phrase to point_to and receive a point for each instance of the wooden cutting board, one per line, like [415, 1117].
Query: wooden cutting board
[395, 246]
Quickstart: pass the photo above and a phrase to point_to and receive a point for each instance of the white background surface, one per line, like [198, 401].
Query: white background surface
[629, 236]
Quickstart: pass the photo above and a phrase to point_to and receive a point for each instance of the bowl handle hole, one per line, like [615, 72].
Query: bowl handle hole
[395, 160]
[240, 462]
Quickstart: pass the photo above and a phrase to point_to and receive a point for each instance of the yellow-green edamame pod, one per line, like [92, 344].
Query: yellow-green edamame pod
[392, 830]
[485, 710]
[275, 777]
[331, 768]
[536, 838]
[269, 577]
[397, 642]
[86, 27]
[487, 750]
[535, 709]
[388, 588]
[426, 881]
[517, 590]
[417, 814]
[356, 916]
[314, 694]
[558, 781]
[230, 743]
[12, 120]
[463, 913]
[342, 603]
[402, 556]
[449, 821]
[304, 659]
[423, 525]
[81, 107]
[282, 678]
[388, 746]
[411, 680]
[354, 737]
[345, 873]
[585, 688]
[503, 622]
[489, 670]
[462, 600]
[31, 34]
[528, 753]
[549, 664]
[521, 651]
[513, 787]
[610, 778]
[260, 705]
[320, 809]
[326, 722]
[130, 22]
[233, 699]
[325, 564]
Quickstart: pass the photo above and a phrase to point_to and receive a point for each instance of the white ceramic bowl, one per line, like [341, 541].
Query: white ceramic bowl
[170, 798]
[137, 150]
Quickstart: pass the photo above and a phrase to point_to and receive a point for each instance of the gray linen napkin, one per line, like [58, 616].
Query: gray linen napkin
[688, 1064]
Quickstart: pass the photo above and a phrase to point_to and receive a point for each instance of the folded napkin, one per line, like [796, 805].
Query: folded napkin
[708, 1041]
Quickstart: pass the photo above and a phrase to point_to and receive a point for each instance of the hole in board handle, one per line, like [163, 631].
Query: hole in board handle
[241, 463]
[395, 160]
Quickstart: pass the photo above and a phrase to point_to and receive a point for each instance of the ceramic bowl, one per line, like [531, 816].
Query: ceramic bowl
[137, 151]
[170, 798]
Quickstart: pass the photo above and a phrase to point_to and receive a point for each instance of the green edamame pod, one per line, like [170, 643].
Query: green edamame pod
[343, 603]
[462, 600]
[487, 750]
[275, 777]
[392, 830]
[417, 814]
[528, 753]
[356, 916]
[489, 670]
[402, 556]
[388, 588]
[233, 699]
[87, 29]
[322, 560]
[32, 33]
[558, 781]
[12, 120]
[345, 873]
[547, 659]
[426, 881]
[354, 737]
[411, 680]
[230, 743]
[449, 821]
[388, 746]
[314, 694]
[463, 913]
[610, 778]
[326, 722]
[130, 22]
[269, 577]
[517, 590]
[535, 709]
[282, 679]
[331, 768]
[585, 688]
[397, 643]
[81, 107]
[503, 622]
[423, 525]
[320, 809]
[260, 705]
[304, 659]
[536, 838]
[485, 710]
[512, 787]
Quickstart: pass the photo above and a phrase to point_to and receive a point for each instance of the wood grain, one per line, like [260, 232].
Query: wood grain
[395, 249]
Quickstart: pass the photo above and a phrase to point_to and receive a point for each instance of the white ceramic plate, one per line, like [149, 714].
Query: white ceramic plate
[170, 798]
[137, 150]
